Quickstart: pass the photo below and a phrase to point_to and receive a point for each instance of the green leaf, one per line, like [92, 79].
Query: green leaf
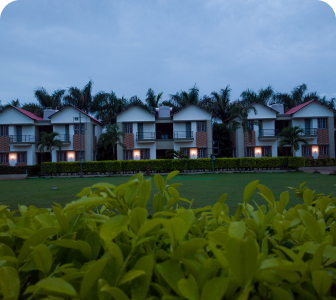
[308, 197]
[222, 198]
[85, 192]
[188, 217]
[62, 219]
[215, 288]
[159, 182]
[144, 193]
[171, 175]
[116, 293]
[216, 210]
[148, 226]
[237, 229]
[82, 246]
[321, 282]
[37, 238]
[138, 218]
[140, 285]
[42, 257]
[158, 202]
[113, 227]
[57, 286]
[280, 293]
[171, 273]
[313, 229]
[104, 185]
[130, 275]
[284, 199]
[250, 188]
[174, 228]
[266, 192]
[93, 239]
[242, 256]
[188, 288]
[9, 283]
[86, 202]
[91, 277]
[188, 248]
[174, 193]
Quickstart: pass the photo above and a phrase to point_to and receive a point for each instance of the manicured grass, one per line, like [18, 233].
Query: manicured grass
[205, 189]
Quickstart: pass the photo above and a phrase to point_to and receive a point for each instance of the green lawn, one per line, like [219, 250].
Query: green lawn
[205, 189]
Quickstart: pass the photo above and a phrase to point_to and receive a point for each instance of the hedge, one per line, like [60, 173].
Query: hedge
[105, 245]
[166, 165]
[30, 170]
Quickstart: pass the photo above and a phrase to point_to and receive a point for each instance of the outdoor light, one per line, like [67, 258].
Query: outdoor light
[12, 157]
[193, 153]
[70, 156]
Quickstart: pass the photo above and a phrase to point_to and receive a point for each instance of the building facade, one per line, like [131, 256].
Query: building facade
[149, 136]
[316, 120]
[20, 130]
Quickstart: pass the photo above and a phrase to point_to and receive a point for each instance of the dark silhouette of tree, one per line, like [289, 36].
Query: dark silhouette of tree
[82, 99]
[291, 136]
[45, 100]
[152, 100]
[264, 96]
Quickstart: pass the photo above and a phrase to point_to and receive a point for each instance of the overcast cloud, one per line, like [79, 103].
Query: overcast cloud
[129, 46]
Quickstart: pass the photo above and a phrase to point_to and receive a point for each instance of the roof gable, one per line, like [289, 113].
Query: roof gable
[189, 104]
[25, 112]
[298, 107]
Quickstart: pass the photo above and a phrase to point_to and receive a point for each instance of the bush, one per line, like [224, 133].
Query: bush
[105, 245]
[4, 169]
[296, 162]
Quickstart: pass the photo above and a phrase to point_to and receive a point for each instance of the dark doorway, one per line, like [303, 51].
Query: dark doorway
[42, 157]
[284, 151]
[164, 131]
[281, 124]
[161, 154]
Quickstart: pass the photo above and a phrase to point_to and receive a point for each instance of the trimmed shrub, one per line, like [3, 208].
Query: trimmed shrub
[248, 162]
[105, 245]
[296, 162]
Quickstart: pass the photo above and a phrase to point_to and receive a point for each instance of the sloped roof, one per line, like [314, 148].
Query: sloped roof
[25, 112]
[134, 105]
[79, 111]
[298, 107]
[187, 106]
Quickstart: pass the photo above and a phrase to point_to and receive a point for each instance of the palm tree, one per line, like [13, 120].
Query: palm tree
[82, 99]
[48, 142]
[45, 100]
[111, 138]
[152, 100]
[33, 108]
[15, 103]
[106, 106]
[179, 154]
[222, 106]
[291, 136]
[264, 96]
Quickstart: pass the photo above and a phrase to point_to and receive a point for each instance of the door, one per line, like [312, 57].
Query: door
[19, 133]
[67, 133]
[307, 126]
[140, 131]
[188, 129]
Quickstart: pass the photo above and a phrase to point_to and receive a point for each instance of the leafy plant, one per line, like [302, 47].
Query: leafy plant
[48, 142]
[105, 245]
[179, 154]
[291, 136]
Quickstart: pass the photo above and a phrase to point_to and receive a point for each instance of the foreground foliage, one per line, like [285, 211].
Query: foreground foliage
[105, 246]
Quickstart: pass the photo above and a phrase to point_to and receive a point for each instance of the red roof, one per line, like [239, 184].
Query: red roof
[297, 108]
[79, 111]
[27, 113]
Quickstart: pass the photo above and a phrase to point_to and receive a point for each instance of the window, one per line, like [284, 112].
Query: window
[62, 156]
[186, 151]
[21, 158]
[323, 150]
[144, 154]
[128, 127]
[3, 158]
[266, 151]
[77, 155]
[250, 124]
[200, 126]
[4, 130]
[306, 150]
[201, 153]
[250, 152]
[322, 123]
[128, 155]
[76, 128]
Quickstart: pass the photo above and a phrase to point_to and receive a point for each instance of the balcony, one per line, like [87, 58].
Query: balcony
[64, 138]
[183, 136]
[309, 132]
[268, 134]
[145, 137]
[22, 140]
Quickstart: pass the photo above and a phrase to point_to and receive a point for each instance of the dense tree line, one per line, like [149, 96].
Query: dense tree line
[105, 106]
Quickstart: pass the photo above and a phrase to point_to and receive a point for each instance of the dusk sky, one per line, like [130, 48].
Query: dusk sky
[129, 46]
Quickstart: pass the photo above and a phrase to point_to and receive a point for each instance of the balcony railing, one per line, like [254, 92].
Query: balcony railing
[62, 137]
[22, 139]
[268, 132]
[164, 136]
[183, 135]
[310, 131]
[145, 135]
